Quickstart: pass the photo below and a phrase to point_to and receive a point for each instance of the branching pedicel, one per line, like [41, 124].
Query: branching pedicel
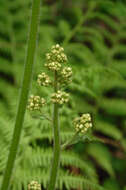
[56, 62]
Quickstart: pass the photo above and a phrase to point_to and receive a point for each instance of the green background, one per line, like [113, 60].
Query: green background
[93, 34]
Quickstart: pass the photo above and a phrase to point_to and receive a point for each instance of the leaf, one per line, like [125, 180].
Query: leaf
[102, 156]
[108, 129]
[113, 106]
[111, 184]
[64, 28]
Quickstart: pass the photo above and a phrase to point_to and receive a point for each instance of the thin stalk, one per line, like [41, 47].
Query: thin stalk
[42, 117]
[56, 153]
[69, 142]
[30, 56]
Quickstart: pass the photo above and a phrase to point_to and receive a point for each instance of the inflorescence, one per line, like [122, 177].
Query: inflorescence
[56, 54]
[43, 79]
[66, 75]
[55, 58]
[35, 103]
[54, 66]
[34, 185]
[60, 97]
[83, 123]
[56, 61]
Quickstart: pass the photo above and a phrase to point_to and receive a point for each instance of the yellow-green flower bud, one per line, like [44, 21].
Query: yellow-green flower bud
[34, 185]
[66, 75]
[56, 55]
[83, 123]
[35, 103]
[60, 97]
[54, 66]
[43, 80]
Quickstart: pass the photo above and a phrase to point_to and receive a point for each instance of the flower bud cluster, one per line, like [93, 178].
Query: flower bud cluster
[34, 185]
[35, 103]
[56, 54]
[60, 97]
[83, 123]
[66, 75]
[54, 66]
[55, 58]
[43, 80]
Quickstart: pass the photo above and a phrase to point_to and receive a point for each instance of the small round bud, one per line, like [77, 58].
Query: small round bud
[35, 103]
[83, 123]
[34, 185]
[43, 80]
[60, 97]
[56, 55]
[54, 66]
[66, 75]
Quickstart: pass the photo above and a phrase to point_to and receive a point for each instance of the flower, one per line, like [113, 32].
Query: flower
[43, 80]
[66, 75]
[54, 66]
[34, 185]
[83, 123]
[60, 97]
[55, 58]
[35, 103]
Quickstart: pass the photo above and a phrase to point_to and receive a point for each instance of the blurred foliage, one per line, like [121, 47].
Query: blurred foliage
[93, 34]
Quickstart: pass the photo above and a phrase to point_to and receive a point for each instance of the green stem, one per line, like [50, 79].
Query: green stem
[69, 142]
[30, 56]
[56, 154]
[42, 117]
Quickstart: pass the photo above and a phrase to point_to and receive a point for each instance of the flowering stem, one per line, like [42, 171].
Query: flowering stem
[30, 55]
[42, 117]
[46, 117]
[56, 154]
[70, 142]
